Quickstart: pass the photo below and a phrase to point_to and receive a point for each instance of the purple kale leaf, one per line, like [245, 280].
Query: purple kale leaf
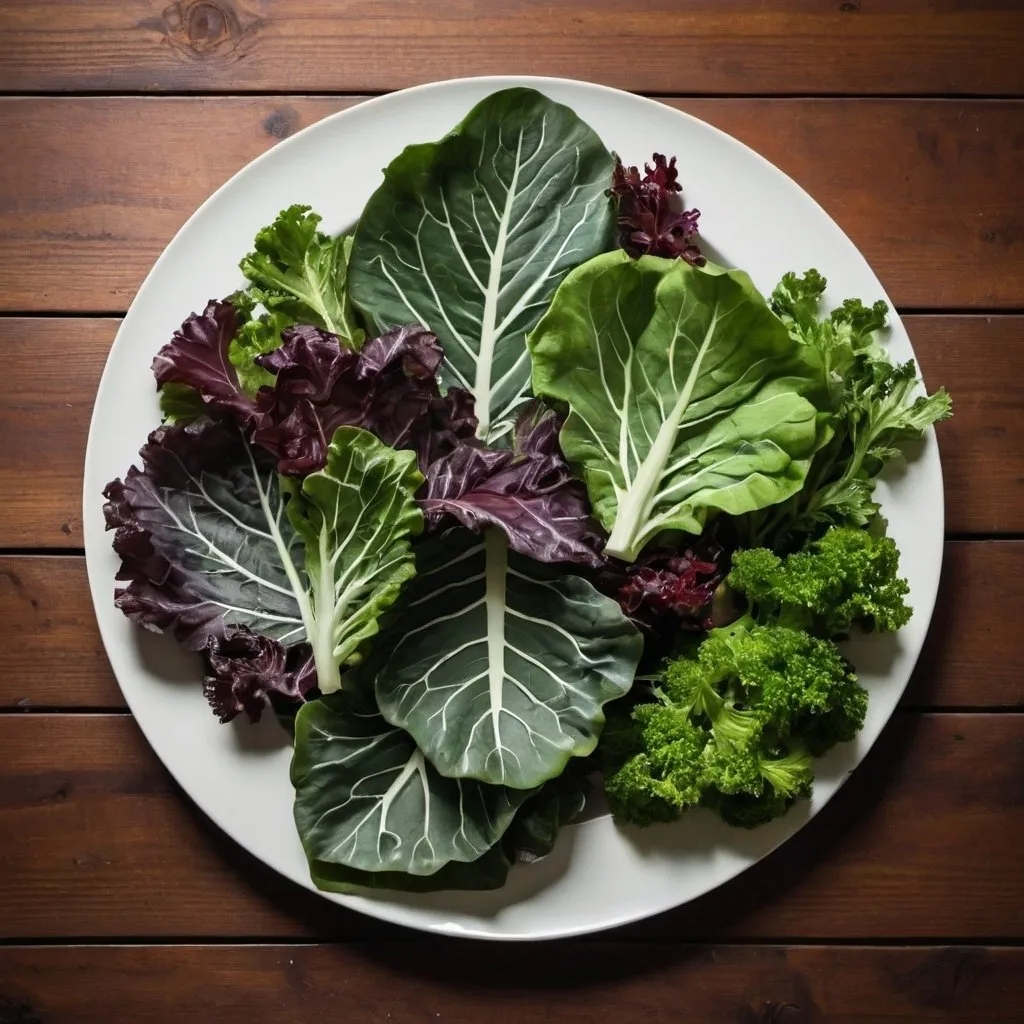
[203, 538]
[197, 357]
[389, 388]
[528, 491]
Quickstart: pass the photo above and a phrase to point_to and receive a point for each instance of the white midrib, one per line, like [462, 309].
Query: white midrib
[489, 324]
[306, 607]
[321, 636]
[412, 766]
[496, 574]
[635, 505]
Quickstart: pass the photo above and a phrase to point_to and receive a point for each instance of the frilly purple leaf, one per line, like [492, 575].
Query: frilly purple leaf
[197, 356]
[244, 668]
[527, 491]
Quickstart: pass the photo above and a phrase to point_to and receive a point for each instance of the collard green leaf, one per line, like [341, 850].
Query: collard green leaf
[355, 518]
[366, 799]
[471, 235]
[301, 272]
[684, 395]
[499, 666]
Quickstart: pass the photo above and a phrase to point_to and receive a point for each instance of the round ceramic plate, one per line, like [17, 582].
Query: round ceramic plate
[600, 875]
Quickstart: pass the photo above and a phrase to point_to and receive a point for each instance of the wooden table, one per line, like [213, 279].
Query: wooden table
[119, 902]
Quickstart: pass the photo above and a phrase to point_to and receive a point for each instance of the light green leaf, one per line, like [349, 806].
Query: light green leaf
[684, 391]
[301, 272]
[355, 517]
[366, 800]
[180, 403]
[499, 666]
[256, 338]
[471, 235]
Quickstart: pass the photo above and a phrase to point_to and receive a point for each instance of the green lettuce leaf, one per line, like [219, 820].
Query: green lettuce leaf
[355, 518]
[301, 272]
[368, 804]
[257, 337]
[470, 236]
[685, 391]
[499, 666]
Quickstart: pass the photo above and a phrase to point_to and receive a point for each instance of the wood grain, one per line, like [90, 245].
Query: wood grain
[51, 655]
[46, 400]
[51, 371]
[578, 983]
[921, 842]
[95, 188]
[740, 46]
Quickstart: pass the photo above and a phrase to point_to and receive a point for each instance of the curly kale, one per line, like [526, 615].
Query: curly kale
[734, 728]
[848, 576]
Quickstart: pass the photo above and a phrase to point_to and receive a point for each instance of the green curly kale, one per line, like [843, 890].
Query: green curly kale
[735, 727]
[848, 576]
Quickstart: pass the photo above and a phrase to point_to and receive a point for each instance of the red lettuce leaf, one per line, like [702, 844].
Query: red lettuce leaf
[389, 387]
[668, 591]
[245, 669]
[528, 491]
[197, 357]
[193, 535]
[652, 220]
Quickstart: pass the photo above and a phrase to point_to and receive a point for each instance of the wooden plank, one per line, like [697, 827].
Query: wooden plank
[743, 46]
[972, 655]
[982, 457]
[590, 982]
[89, 208]
[51, 654]
[45, 408]
[922, 842]
[52, 369]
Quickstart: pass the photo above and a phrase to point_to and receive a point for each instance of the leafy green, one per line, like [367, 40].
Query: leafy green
[180, 403]
[734, 727]
[471, 235]
[301, 272]
[355, 518]
[257, 337]
[537, 823]
[847, 576]
[499, 666]
[367, 801]
[684, 392]
[874, 406]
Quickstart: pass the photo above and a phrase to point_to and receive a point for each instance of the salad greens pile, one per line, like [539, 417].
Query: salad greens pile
[509, 486]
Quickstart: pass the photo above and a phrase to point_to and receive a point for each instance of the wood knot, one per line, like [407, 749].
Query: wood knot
[849, 6]
[206, 29]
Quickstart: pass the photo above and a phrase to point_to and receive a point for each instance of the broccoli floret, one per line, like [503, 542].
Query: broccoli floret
[847, 576]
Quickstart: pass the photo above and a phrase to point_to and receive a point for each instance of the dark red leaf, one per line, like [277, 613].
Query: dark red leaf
[652, 220]
[528, 491]
[244, 668]
[197, 356]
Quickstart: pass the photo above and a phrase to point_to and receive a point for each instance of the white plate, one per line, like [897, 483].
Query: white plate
[599, 875]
